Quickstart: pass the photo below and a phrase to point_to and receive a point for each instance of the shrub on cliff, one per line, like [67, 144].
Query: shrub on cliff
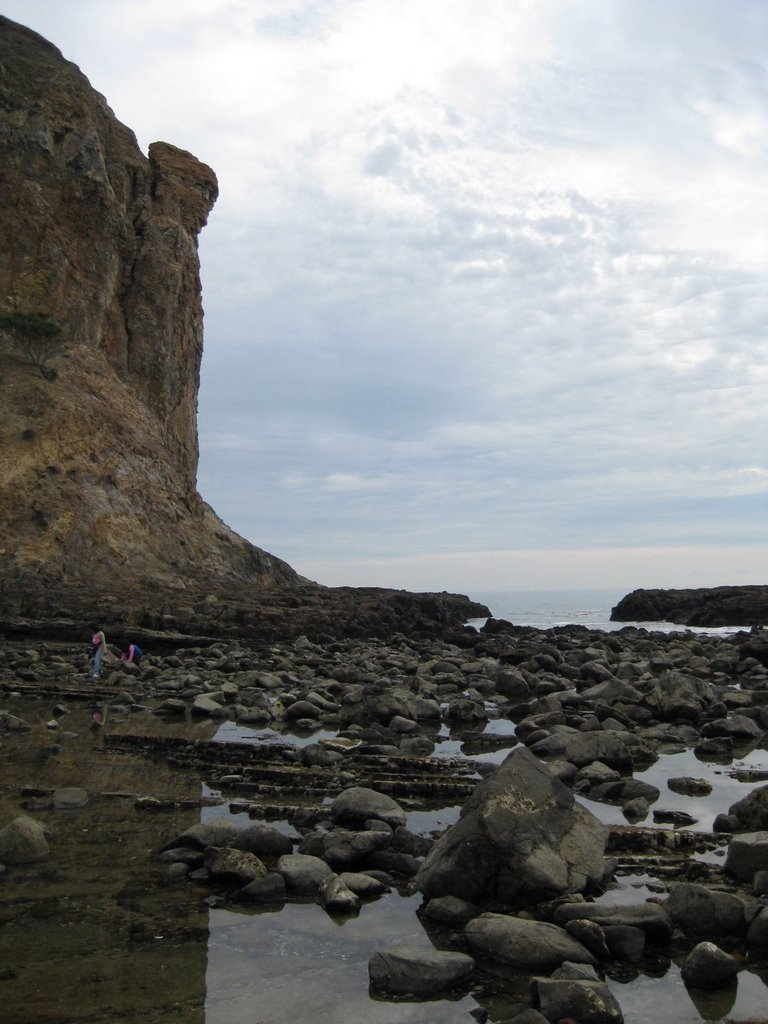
[36, 337]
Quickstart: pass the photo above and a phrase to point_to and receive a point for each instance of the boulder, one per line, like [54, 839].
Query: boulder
[410, 970]
[582, 1000]
[269, 888]
[233, 867]
[708, 966]
[336, 897]
[365, 886]
[356, 805]
[702, 913]
[650, 917]
[757, 933]
[519, 943]
[23, 841]
[747, 854]
[303, 874]
[343, 849]
[220, 832]
[520, 835]
[264, 841]
[752, 810]
[69, 798]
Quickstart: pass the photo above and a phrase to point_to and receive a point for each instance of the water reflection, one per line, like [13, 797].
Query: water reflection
[93, 933]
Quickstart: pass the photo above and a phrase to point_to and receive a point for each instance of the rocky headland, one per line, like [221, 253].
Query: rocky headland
[101, 341]
[704, 606]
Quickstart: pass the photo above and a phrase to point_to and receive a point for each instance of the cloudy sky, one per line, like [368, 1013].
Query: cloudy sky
[485, 287]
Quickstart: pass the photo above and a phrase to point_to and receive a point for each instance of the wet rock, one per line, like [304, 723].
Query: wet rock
[364, 885]
[708, 966]
[449, 912]
[520, 834]
[216, 833]
[23, 841]
[702, 913]
[677, 818]
[11, 723]
[623, 791]
[69, 798]
[269, 888]
[757, 933]
[303, 874]
[591, 935]
[747, 854]
[233, 867]
[650, 917]
[577, 1000]
[410, 970]
[342, 849]
[752, 811]
[265, 842]
[522, 944]
[716, 748]
[690, 786]
[760, 883]
[355, 805]
[336, 897]
[205, 705]
[636, 810]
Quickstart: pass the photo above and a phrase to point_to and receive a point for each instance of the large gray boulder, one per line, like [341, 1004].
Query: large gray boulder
[519, 943]
[752, 810]
[23, 841]
[702, 913]
[356, 805]
[410, 970]
[303, 874]
[747, 854]
[264, 841]
[521, 835]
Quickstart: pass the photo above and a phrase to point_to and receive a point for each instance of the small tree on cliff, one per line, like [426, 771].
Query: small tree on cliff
[36, 337]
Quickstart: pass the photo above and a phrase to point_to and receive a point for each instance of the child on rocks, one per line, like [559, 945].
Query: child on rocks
[132, 655]
[99, 642]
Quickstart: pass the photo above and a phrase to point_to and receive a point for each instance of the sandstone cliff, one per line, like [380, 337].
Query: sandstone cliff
[98, 438]
[98, 466]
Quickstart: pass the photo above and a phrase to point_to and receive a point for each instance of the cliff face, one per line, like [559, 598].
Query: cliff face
[98, 455]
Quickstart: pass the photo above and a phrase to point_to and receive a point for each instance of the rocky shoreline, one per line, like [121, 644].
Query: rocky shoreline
[521, 882]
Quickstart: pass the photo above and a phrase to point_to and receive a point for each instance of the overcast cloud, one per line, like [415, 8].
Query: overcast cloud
[485, 286]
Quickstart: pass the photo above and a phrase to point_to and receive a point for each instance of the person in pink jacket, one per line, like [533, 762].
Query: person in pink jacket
[99, 642]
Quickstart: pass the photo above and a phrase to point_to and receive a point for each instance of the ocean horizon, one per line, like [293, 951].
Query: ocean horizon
[589, 607]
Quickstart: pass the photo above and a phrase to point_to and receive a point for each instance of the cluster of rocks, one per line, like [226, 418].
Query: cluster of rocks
[511, 885]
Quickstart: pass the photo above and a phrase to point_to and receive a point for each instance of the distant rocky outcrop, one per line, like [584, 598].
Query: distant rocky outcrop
[98, 438]
[706, 606]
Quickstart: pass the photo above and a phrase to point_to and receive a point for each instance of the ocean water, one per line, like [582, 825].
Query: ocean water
[547, 609]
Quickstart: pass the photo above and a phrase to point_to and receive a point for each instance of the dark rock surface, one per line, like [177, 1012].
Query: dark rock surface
[706, 606]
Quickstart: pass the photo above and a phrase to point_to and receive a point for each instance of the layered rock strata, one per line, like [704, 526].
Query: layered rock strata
[98, 436]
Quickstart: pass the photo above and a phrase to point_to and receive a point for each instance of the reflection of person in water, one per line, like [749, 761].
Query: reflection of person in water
[99, 642]
[99, 716]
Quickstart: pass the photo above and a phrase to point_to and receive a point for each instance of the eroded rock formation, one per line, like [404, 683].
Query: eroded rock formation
[98, 443]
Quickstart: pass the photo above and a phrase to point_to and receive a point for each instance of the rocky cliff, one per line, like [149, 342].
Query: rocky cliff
[101, 337]
[706, 606]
